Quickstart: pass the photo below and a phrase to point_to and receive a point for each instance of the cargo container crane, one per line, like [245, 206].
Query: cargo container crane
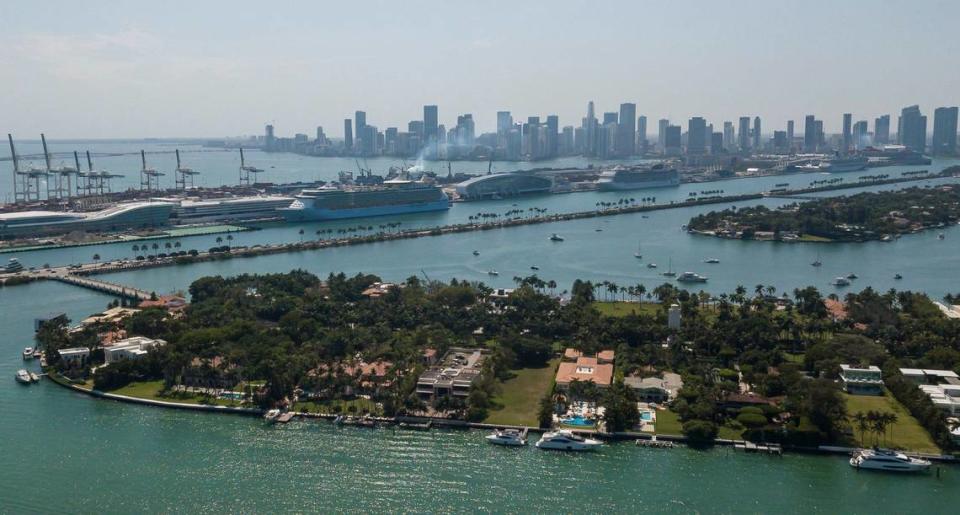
[184, 176]
[62, 177]
[245, 171]
[149, 177]
[29, 179]
[96, 182]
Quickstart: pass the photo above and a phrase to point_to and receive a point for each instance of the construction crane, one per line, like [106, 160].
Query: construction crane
[245, 171]
[29, 179]
[149, 177]
[184, 176]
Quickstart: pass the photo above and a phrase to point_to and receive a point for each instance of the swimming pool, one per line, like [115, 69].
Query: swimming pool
[577, 421]
[646, 415]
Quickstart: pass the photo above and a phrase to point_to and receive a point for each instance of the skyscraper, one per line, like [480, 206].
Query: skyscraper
[729, 136]
[610, 117]
[744, 135]
[662, 134]
[642, 134]
[269, 140]
[789, 135]
[716, 143]
[553, 135]
[696, 135]
[672, 140]
[944, 131]
[847, 135]
[811, 140]
[757, 139]
[359, 127]
[590, 131]
[430, 124]
[860, 136]
[881, 130]
[912, 129]
[348, 134]
[627, 130]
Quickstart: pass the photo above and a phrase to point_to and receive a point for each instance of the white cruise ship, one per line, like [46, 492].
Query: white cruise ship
[230, 209]
[622, 178]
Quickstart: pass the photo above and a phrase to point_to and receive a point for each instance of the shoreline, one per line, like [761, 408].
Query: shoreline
[463, 424]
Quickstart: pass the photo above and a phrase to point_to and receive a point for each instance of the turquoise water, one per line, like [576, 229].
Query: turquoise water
[65, 452]
[577, 421]
[646, 415]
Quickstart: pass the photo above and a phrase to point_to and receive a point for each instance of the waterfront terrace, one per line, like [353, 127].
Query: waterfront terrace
[453, 374]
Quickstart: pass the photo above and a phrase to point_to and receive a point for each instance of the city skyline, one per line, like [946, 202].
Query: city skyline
[190, 70]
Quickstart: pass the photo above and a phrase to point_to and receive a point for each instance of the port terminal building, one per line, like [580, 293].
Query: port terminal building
[502, 185]
[130, 215]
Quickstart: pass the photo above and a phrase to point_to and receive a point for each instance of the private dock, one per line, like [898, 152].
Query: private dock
[771, 448]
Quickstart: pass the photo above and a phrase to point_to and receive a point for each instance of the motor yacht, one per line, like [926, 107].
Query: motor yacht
[691, 277]
[886, 459]
[556, 237]
[712, 261]
[476, 253]
[28, 353]
[852, 276]
[564, 440]
[271, 416]
[493, 272]
[651, 265]
[508, 437]
[898, 277]
[841, 282]
[534, 267]
[23, 376]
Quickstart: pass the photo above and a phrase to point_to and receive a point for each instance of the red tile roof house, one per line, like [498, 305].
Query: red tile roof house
[599, 370]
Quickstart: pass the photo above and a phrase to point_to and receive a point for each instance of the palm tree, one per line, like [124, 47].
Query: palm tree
[96, 258]
[135, 249]
[861, 424]
[155, 247]
[641, 289]
[219, 240]
[301, 235]
[176, 244]
[229, 237]
[167, 245]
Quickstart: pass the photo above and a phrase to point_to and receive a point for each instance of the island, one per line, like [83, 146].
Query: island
[796, 369]
[856, 218]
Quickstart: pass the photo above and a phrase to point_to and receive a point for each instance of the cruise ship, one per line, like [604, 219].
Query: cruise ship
[844, 164]
[621, 178]
[394, 197]
[230, 209]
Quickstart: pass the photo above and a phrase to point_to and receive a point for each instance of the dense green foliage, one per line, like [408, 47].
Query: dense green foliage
[857, 217]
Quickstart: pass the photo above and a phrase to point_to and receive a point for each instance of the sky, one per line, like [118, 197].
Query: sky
[215, 68]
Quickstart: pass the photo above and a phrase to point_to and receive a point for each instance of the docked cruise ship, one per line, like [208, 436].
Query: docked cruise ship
[230, 209]
[394, 197]
[844, 164]
[621, 178]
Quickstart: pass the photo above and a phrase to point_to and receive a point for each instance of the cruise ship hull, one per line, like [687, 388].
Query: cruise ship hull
[310, 214]
[622, 186]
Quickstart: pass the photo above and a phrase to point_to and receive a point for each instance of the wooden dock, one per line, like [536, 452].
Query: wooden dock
[771, 448]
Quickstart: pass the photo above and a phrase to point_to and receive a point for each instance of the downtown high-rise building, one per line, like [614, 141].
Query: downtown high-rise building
[729, 136]
[757, 132]
[716, 142]
[590, 131]
[430, 124]
[348, 134]
[552, 136]
[789, 135]
[861, 136]
[641, 134]
[944, 131]
[881, 130]
[627, 130]
[359, 127]
[662, 125]
[811, 133]
[696, 135]
[847, 137]
[743, 136]
[672, 140]
[912, 129]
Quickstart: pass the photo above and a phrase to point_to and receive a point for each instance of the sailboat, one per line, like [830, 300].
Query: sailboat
[670, 272]
[637, 254]
[817, 262]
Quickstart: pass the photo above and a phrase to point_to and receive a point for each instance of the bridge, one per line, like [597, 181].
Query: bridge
[102, 286]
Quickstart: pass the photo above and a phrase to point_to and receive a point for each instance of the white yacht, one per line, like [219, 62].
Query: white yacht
[564, 440]
[691, 277]
[841, 282]
[493, 272]
[651, 265]
[509, 437]
[556, 237]
[885, 459]
[23, 376]
[34, 378]
[271, 416]
[711, 261]
[28, 353]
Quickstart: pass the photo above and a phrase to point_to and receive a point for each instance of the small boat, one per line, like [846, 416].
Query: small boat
[898, 277]
[598, 230]
[691, 277]
[651, 265]
[565, 440]
[817, 262]
[534, 267]
[637, 254]
[885, 459]
[940, 236]
[555, 237]
[476, 253]
[852, 276]
[28, 353]
[841, 282]
[34, 378]
[508, 437]
[23, 377]
[271, 416]
[493, 272]
[712, 261]
[670, 272]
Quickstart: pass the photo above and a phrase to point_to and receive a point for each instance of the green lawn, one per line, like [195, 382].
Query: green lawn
[620, 309]
[519, 398]
[906, 433]
[360, 406]
[668, 423]
[151, 390]
[794, 358]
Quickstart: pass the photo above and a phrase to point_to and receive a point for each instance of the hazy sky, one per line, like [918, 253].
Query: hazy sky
[163, 68]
